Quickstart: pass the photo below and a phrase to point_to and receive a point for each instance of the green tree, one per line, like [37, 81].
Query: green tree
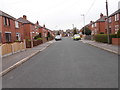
[74, 31]
[58, 33]
[87, 31]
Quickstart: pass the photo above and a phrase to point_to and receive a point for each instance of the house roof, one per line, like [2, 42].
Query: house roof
[118, 11]
[6, 15]
[102, 19]
[24, 21]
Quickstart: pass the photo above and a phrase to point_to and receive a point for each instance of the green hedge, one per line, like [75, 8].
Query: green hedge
[104, 38]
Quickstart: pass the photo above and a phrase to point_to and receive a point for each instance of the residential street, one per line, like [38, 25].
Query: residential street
[66, 64]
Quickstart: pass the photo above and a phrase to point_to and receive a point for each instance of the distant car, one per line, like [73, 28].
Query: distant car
[76, 37]
[58, 37]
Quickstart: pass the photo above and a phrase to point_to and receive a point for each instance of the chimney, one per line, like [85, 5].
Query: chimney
[37, 23]
[101, 15]
[25, 17]
[91, 21]
[44, 25]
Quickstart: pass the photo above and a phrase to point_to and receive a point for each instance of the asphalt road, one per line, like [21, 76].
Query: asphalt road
[66, 64]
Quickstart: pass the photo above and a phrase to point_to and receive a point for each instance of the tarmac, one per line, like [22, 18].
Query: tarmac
[11, 62]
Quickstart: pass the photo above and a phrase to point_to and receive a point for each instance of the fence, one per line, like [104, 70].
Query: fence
[8, 49]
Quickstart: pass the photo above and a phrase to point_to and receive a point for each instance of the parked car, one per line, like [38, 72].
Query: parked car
[76, 37]
[58, 37]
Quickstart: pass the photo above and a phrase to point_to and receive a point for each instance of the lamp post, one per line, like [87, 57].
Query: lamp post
[84, 23]
[108, 32]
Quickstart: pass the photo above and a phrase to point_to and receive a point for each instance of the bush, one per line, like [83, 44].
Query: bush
[118, 34]
[87, 31]
[101, 32]
[39, 39]
[104, 38]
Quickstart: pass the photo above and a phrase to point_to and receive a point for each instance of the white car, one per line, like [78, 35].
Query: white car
[76, 37]
[58, 37]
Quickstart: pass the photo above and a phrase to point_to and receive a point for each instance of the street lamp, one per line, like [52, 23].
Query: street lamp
[83, 22]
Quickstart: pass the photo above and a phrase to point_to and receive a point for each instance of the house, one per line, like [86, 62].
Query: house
[28, 28]
[99, 25]
[10, 29]
[114, 22]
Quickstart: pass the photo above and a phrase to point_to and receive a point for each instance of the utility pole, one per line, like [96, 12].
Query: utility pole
[108, 32]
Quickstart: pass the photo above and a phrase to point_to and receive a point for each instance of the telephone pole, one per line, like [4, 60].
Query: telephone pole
[108, 32]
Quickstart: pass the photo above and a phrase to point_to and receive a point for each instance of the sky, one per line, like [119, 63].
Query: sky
[58, 14]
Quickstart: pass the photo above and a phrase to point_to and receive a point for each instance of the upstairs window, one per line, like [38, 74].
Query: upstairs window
[0, 37]
[16, 24]
[5, 21]
[110, 20]
[116, 17]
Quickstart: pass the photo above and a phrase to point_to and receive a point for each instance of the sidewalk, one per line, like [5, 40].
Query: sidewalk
[107, 47]
[12, 61]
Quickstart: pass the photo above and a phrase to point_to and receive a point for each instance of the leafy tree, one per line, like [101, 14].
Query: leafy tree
[48, 35]
[58, 33]
[118, 33]
[74, 31]
[87, 31]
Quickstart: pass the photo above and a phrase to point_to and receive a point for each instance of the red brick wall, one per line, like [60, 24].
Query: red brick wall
[116, 41]
[10, 28]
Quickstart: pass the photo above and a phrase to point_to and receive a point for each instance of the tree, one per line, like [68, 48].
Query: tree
[74, 31]
[58, 33]
[87, 31]
[48, 35]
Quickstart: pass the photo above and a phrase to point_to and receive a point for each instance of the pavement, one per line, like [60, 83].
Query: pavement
[12, 61]
[108, 47]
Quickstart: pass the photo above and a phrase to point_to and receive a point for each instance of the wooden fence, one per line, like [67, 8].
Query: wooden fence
[8, 49]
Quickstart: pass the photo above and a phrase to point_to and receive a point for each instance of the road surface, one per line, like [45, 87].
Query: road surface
[66, 64]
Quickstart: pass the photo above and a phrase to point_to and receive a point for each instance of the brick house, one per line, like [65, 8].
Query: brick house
[114, 22]
[10, 29]
[29, 29]
[99, 25]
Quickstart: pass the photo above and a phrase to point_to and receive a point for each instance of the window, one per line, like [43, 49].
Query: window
[5, 21]
[116, 17]
[18, 36]
[110, 20]
[116, 28]
[8, 20]
[16, 24]
[0, 37]
[95, 25]
[8, 36]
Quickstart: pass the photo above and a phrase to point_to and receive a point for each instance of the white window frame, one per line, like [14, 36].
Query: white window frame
[19, 36]
[16, 24]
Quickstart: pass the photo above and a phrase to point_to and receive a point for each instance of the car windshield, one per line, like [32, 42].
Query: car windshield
[76, 35]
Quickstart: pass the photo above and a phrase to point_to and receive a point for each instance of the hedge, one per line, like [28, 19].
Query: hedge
[104, 38]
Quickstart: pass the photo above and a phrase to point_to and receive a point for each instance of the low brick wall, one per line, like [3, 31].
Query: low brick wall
[116, 41]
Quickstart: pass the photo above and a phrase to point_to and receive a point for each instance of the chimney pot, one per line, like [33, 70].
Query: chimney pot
[25, 17]
[101, 15]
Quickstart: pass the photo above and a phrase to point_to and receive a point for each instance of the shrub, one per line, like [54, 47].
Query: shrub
[39, 39]
[118, 34]
[87, 31]
[101, 32]
[104, 38]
